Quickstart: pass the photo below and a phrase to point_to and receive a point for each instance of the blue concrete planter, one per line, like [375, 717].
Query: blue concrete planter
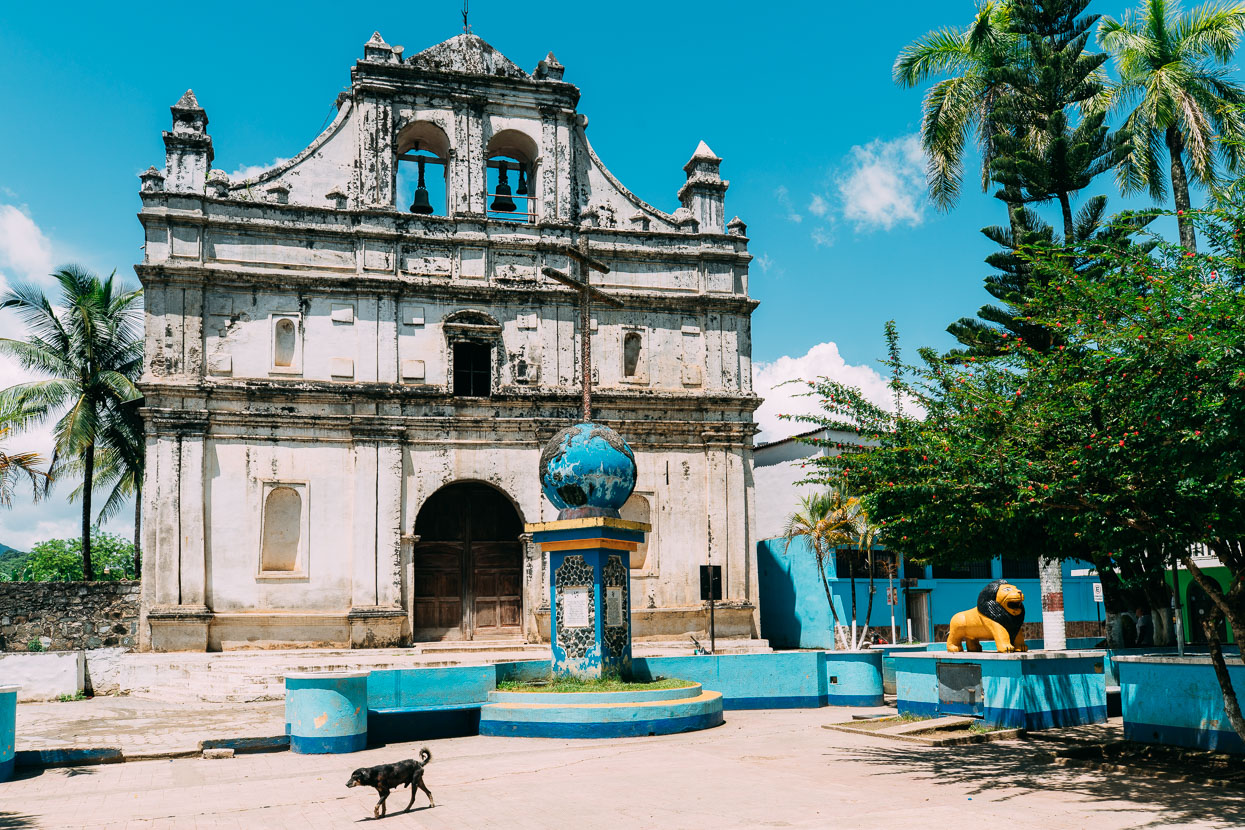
[600, 715]
[888, 665]
[783, 680]
[326, 711]
[1030, 690]
[1177, 700]
[8, 730]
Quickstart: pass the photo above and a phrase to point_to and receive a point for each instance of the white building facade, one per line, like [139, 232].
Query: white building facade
[346, 400]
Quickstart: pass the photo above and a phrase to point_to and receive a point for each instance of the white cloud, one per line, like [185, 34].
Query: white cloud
[822, 237]
[822, 360]
[884, 184]
[252, 170]
[819, 206]
[783, 197]
[764, 262]
[25, 253]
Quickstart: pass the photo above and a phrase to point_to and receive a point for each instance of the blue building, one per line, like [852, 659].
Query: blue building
[794, 610]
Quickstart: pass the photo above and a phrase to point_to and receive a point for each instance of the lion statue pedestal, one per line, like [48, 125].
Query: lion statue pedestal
[999, 616]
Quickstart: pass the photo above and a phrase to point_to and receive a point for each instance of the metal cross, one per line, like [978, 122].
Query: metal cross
[581, 262]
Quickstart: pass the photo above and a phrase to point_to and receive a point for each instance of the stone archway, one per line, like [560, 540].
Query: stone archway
[468, 565]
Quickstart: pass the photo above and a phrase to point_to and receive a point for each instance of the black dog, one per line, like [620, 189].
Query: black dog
[386, 777]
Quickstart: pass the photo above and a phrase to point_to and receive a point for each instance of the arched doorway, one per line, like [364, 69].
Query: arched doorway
[468, 565]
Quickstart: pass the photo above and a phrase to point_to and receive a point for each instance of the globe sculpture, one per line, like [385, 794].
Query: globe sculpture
[587, 470]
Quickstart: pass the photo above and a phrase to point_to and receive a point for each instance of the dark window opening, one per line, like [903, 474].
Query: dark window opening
[913, 569]
[631, 354]
[473, 370]
[964, 570]
[1019, 568]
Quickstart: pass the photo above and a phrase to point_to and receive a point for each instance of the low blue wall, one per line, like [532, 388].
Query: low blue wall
[783, 680]
[8, 730]
[1177, 700]
[1019, 691]
[794, 612]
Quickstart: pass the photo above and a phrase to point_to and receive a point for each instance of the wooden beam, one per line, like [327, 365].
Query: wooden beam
[579, 285]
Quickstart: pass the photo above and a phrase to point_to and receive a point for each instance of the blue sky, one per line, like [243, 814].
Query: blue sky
[816, 139]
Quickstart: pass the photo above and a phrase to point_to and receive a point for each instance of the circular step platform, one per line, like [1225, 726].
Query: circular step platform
[600, 714]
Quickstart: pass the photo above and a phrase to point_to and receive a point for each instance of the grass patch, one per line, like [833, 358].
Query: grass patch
[72, 697]
[571, 685]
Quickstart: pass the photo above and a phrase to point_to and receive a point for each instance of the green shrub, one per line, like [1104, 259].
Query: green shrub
[35, 645]
[60, 560]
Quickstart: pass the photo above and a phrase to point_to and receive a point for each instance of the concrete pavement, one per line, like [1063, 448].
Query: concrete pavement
[761, 769]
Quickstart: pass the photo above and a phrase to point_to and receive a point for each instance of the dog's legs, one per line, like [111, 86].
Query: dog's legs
[422, 786]
[411, 803]
[379, 810]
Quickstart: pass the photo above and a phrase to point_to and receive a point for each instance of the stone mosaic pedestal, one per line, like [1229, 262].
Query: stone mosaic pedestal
[590, 592]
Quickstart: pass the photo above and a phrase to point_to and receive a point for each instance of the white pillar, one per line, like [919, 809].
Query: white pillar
[363, 582]
[190, 508]
[1050, 572]
[389, 525]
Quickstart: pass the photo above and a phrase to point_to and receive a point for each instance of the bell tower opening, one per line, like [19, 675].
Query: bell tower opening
[423, 150]
[511, 177]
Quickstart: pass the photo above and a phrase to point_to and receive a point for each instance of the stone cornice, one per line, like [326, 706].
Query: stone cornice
[519, 292]
[388, 224]
[397, 79]
[313, 392]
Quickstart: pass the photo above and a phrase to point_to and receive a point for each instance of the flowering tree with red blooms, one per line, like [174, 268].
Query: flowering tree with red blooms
[1119, 444]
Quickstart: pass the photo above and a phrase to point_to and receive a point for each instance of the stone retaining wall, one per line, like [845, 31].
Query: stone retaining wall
[68, 615]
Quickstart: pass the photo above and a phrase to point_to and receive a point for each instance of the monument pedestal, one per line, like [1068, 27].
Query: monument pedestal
[590, 592]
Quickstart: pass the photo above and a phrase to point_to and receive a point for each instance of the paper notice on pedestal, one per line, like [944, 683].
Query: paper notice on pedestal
[575, 607]
[614, 607]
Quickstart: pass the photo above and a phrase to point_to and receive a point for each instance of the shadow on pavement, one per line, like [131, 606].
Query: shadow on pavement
[1021, 765]
[16, 820]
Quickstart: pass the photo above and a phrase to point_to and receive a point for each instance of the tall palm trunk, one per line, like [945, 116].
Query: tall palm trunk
[821, 569]
[138, 527]
[88, 481]
[872, 590]
[1069, 227]
[1180, 189]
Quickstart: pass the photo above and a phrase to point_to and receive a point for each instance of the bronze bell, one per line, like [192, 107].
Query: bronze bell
[521, 190]
[421, 204]
[502, 203]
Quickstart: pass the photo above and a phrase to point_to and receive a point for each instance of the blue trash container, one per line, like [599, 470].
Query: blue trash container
[327, 711]
[8, 729]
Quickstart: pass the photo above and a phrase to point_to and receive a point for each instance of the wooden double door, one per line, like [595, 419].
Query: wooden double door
[468, 566]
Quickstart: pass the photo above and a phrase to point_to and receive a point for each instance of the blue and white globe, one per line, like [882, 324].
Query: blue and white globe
[587, 470]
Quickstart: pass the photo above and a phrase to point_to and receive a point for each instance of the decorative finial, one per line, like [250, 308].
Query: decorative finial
[466, 25]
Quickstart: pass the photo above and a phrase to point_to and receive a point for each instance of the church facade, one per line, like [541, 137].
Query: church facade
[346, 395]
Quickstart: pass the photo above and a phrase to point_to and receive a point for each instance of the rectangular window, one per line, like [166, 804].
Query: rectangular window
[473, 370]
[965, 570]
[1019, 568]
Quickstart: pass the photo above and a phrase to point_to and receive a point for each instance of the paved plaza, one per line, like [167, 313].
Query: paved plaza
[761, 769]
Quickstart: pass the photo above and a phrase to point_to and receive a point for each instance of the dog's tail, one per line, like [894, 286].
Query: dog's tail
[425, 756]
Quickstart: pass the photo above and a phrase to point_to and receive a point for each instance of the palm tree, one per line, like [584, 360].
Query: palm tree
[90, 351]
[119, 464]
[964, 104]
[15, 465]
[1172, 74]
[827, 521]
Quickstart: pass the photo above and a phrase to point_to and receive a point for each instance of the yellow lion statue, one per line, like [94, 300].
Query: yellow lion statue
[999, 616]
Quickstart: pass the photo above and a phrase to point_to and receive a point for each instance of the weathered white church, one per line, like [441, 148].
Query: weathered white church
[354, 359]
